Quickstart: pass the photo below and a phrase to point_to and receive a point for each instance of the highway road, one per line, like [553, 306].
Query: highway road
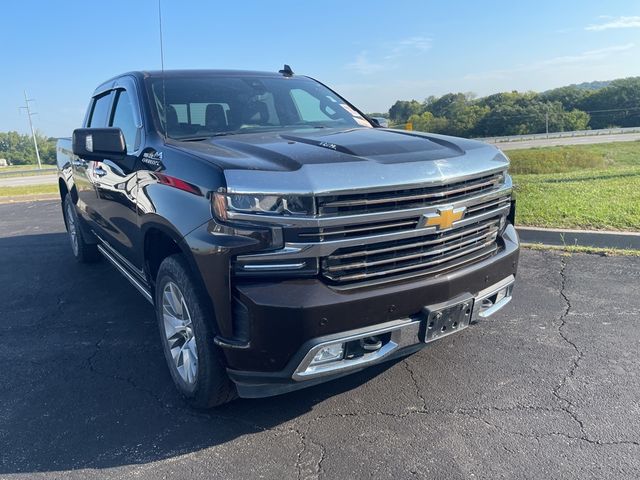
[583, 140]
[28, 180]
[548, 388]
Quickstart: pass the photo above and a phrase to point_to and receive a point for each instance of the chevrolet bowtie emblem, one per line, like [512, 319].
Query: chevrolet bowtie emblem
[442, 219]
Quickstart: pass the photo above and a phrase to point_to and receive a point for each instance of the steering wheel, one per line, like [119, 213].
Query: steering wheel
[330, 109]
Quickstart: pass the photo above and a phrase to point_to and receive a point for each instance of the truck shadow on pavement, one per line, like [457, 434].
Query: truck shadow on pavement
[85, 383]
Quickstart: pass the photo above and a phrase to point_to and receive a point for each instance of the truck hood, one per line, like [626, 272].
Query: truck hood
[323, 161]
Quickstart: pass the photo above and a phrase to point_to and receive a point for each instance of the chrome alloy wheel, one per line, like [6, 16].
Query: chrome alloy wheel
[72, 228]
[179, 333]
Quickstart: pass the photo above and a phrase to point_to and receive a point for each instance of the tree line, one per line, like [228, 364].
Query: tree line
[19, 149]
[574, 107]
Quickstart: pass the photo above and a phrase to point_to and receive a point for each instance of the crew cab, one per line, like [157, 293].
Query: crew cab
[283, 237]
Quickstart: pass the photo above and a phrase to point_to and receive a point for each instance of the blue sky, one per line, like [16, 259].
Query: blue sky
[373, 52]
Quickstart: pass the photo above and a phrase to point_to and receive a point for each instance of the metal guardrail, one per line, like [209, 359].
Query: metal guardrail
[575, 133]
[33, 171]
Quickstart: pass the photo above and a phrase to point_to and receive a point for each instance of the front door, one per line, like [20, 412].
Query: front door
[115, 182]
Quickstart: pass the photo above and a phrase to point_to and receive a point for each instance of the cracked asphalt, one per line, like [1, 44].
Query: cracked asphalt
[548, 388]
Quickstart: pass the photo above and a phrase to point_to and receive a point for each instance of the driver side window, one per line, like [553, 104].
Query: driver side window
[123, 118]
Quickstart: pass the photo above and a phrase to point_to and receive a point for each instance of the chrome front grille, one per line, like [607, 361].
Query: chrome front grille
[408, 223]
[351, 204]
[369, 238]
[432, 253]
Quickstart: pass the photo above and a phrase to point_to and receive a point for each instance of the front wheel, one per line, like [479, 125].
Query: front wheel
[186, 326]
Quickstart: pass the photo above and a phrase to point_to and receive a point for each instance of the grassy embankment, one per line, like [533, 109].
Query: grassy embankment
[23, 190]
[579, 186]
[26, 170]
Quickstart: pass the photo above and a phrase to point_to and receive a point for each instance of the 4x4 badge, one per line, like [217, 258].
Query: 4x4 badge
[443, 218]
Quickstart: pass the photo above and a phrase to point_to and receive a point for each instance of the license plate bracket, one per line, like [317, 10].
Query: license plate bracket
[445, 319]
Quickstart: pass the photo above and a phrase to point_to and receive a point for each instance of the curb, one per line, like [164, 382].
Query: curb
[583, 238]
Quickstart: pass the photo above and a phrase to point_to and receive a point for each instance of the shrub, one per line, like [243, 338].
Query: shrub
[554, 160]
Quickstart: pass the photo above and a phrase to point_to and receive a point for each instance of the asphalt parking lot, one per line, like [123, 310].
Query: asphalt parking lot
[549, 388]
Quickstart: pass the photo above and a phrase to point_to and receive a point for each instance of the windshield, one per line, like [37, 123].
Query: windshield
[205, 106]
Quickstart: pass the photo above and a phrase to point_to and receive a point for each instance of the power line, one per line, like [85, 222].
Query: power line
[612, 110]
[27, 107]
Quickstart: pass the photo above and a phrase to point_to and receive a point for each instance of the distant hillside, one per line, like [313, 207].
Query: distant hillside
[595, 85]
[588, 105]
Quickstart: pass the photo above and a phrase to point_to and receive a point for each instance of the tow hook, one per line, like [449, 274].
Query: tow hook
[363, 346]
[371, 344]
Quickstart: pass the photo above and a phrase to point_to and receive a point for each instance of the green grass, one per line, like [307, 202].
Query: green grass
[19, 167]
[574, 158]
[566, 195]
[28, 190]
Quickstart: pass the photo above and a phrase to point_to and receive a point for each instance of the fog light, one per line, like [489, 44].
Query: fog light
[329, 353]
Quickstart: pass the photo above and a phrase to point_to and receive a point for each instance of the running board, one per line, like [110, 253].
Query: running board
[139, 286]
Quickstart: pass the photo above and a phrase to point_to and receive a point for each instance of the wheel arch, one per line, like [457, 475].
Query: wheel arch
[64, 190]
[160, 240]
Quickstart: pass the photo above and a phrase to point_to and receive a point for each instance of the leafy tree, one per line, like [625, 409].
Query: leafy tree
[460, 110]
[19, 149]
[617, 104]
[506, 113]
[402, 110]
[570, 97]
[575, 120]
[426, 122]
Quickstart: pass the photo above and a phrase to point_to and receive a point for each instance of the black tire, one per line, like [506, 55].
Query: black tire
[210, 385]
[82, 251]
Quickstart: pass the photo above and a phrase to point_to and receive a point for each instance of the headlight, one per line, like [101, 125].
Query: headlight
[225, 203]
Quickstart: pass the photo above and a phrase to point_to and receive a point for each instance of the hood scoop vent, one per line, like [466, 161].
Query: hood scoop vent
[381, 146]
[319, 143]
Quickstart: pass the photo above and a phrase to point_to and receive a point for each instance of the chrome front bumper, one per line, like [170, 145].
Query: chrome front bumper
[404, 333]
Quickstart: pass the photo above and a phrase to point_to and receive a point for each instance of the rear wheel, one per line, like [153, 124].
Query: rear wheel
[83, 252]
[186, 326]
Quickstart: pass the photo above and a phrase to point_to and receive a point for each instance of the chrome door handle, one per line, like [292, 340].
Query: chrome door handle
[99, 171]
[79, 163]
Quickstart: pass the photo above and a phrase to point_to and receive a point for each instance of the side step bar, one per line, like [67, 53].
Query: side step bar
[143, 289]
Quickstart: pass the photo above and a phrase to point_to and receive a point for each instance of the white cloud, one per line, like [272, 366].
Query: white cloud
[615, 23]
[589, 55]
[586, 57]
[388, 53]
[363, 66]
[408, 46]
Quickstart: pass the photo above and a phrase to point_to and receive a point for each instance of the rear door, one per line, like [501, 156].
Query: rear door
[98, 117]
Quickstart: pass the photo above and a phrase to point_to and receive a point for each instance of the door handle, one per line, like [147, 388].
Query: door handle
[79, 163]
[99, 171]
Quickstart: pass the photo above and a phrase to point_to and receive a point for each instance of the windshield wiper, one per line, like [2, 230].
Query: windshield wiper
[308, 125]
[200, 138]
[222, 134]
[192, 139]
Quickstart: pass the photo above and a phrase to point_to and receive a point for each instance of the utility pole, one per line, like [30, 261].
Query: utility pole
[33, 133]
